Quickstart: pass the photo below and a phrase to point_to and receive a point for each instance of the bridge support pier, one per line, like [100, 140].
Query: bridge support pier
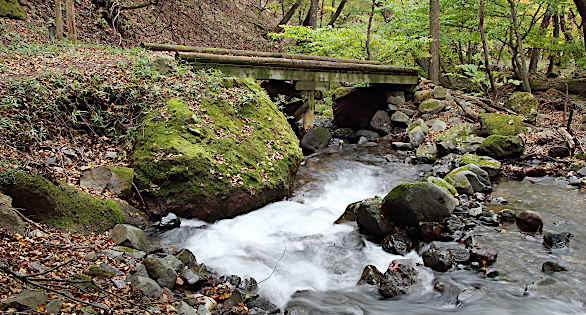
[308, 116]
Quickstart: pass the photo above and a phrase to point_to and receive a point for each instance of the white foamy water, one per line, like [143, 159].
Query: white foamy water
[295, 242]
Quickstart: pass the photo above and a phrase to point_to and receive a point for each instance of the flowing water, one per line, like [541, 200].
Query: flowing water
[309, 265]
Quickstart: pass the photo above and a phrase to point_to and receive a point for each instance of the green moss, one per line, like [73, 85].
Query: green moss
[432, 106]
[99, 272]
[125, 174]
[342, 91]
[479, 161]
[59, 205]
[458, 132]
[398, 191]
[501, 146]
[523, 103]
[12, 9]
[245, 145]
[442, 183]
[501, 124]
[418, 123]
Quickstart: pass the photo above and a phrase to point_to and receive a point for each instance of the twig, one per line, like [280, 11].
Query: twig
[29, 220]
[49, 270]
[276, 264]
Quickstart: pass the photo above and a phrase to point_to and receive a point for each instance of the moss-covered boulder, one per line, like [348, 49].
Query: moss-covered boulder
[432, 106]
[458, 139]
[523, 103]
[417, 132]
[12, 9]
[59, 205]
[411, 203]
[440, 182]
[426, 153]
[501, 124]
[216, 157]
[469, 179]
[502, 147]
[115, 178]
[488, 164]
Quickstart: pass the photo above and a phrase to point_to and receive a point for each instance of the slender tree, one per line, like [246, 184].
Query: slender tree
[311, 17]
[485, 47]
[70, 14]
[554, 55]
[581, 5]
[522, 64]
[338, 12]
[368, 53]
[535, 52]
[59, 19]
[434, 12]
[287, 17]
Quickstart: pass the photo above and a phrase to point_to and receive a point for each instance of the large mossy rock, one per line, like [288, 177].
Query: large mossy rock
[12, 9]
[523, 103]
[469, 179]
[502, 147]
[501, 124]
[488, 164]
[575, 86]
[61, 206]
[432, 106]
[411, 203]
[458, 139]
[216, 158]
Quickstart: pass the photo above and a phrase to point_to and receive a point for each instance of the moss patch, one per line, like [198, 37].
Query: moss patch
[12, 9]
[501, 124]
[61, 206]
[99, 272]
[442, 183]
[399, 191]
[227, 152]
[501, 147]
[523, 103]
[479, 161]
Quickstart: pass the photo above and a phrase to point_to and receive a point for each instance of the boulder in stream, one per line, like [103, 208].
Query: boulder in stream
[552, 240]
[530, 222]
[502, 147]
[469, 179]
[397, 280]
[398, 244]
[315, 140]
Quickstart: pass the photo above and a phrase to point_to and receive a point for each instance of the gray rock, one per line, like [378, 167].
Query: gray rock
[400, 119]
[146, 286]
[161, 271]
[130, 252]
[139, 271]
[362, 140]
[315, 140]
[392, 108]
[398, 244]
[549, 267]
[436, 124]
[174, 262]
[423, 95]
[368, 134]
[54, 306]
[417, 132]
[530, 222]
[469, 179]
[502, 147]
[439, 92]
[582, 172]
[402, 146]
[36, 233]
[111, 269]
[411, 203]
[114, 254]
[184, 309]
[163, 65]
[483, 255]
[396, 98]
[486, 163]
[117, 179]
[187, 258]
[432, 106]
[28, 299]
[371, 220]
[381, 122]
[11, 221]
[190, 277]
[119, 284]
[344, 133]
[5, 201]
[426, 153]
[553, 240]
[130, 236]
[206, 302]
[397, 280]
[169, 222]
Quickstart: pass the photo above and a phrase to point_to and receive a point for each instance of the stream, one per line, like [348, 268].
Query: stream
[306, 264]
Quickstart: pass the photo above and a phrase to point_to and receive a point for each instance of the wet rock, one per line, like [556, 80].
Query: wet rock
[397, 280]
[436, 124]
[417, 131]
[549, 267]
[345, 133]
[411, 203]
[402, 146]
[161, 271]
[530, 222]
[371, 219]
[483, 255]
[11, 221]
[400, 119]
[426, 153]
[370, 275]
[130, 236]
[381, 122]
[486, 163]
[438, 259]
[398, 244]
[553, 240]
[448, 290]
[315, 140]
[432, 106]
[351, 212]
[28, 299]
[506, 216]
[169, 222]
[368, 134]
[442, 184]
[469, 179]
[184, 309]
[187, 258]
[470, 296]
[502, 147]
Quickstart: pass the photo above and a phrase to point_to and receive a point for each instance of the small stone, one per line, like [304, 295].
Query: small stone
[550, 267]
[187, 258]
[362, 140]
[484, 255]
[381, 122]
[37, 233]
[147, 286]
[400, 119]
[169, 222]
[557, 240]
[54, 306]
[161, 271]
[130, 252]
[190, 277]
[530, 222]
[396, 98]
[398, 244]
[438, 259]
[439, 92]
[506, 216]
[28, 299]
[111, 253]
[119, 284]
[436, 124]
[423, 95]
[130, 236]
[402, 146]
[111, 155]
[184, 309]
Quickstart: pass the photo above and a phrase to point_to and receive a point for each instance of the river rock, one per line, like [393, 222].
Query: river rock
[523, 103]
[549, 267]
[398, 244]
[146, 286]
[184, 309]
[469, 179]
[483, 255]
[370, 275]
[400, 119]
[11, 221]
[345, 133]
[443, 184]
[381, 122]
[161, 271]
[169, 222]
[174, 262]
[130, 236]
[371, 219]
[411, 203]
[186, 174]
[445, 165]
[501, 125]
[438, 259]
[187, 258]
[27, 300]
[458, 139]
[426, 153]
[432, 106]
[440, 92]
[486, 163]
[506, 216]
[502, 147]
[368, 134]
[530, 222]
[436, 124]
[417, 131]
[396, 98]
[351, 212]
[423, 95]
[315, 140]
[115, 178]
[553, 240]
[397, 280]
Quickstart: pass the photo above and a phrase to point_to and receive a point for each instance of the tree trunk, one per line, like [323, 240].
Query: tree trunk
[553, 55]
[70, 14]
[567, 35]
[287, 17]
[485, 47]
[59, 19]
[535, 52]
[368, 54]
[460, 53]
[311, 18]
[338, 12]
[321, 13]
[434, 11]
[581, 5]
[521, 52]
